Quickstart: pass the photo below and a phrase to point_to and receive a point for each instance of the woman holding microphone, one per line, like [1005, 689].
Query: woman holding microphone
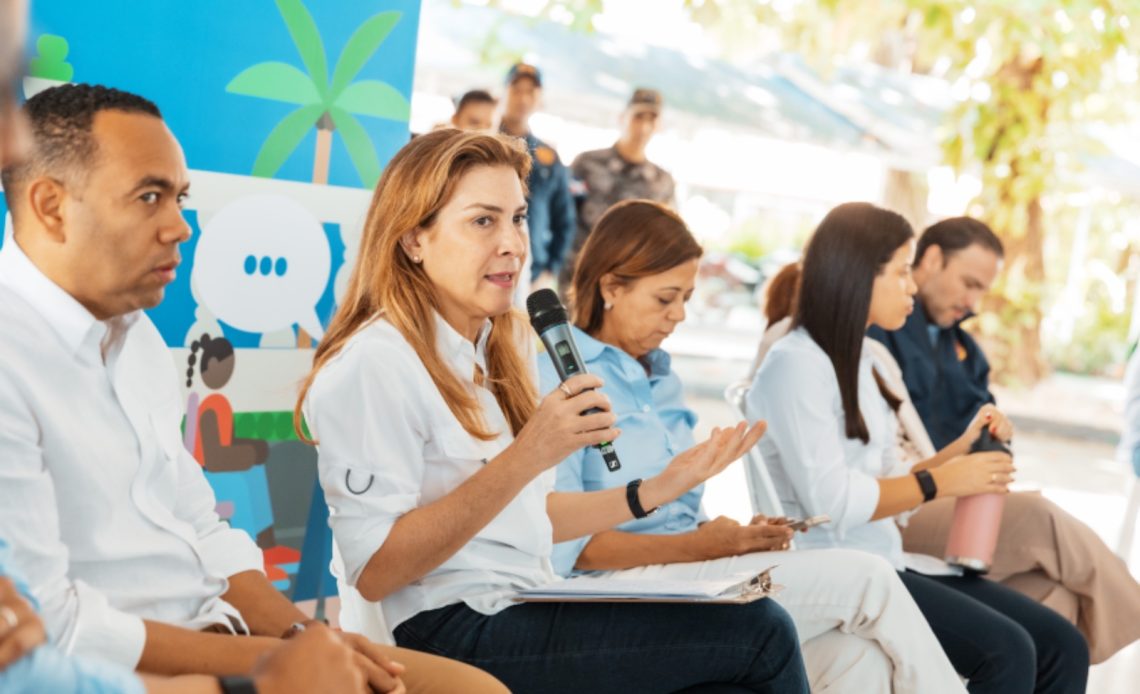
[436, 455]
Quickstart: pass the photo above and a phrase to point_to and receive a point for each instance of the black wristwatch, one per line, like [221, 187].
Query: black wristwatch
[926, 484]
[634, 501]
[237, 684]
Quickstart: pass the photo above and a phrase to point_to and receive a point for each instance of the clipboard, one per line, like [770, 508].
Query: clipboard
[727, 591]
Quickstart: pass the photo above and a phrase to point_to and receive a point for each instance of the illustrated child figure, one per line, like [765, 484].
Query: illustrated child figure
[234, 466]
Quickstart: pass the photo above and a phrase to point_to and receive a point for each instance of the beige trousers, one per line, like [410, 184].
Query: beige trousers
[431, 674]
[1050, 556]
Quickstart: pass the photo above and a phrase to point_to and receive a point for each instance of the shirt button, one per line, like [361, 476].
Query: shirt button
[645, 408]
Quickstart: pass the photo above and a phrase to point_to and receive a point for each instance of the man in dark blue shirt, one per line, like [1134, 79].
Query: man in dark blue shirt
[945, 370]
[550, 207]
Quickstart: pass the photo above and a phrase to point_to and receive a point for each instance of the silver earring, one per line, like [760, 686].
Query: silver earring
[608, 306]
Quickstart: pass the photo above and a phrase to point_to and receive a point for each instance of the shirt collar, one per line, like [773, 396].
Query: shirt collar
[459, 352]
[591, 349]
[73, 323]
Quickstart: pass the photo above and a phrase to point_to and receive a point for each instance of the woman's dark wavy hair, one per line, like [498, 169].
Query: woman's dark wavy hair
[844, 256]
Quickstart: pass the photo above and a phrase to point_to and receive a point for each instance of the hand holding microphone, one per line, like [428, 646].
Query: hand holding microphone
[549, 318]
[573, 416]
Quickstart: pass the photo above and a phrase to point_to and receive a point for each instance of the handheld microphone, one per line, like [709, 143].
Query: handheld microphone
[549, 319]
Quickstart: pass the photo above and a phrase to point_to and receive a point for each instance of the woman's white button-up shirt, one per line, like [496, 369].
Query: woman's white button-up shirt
[815, 468]
[388, 443]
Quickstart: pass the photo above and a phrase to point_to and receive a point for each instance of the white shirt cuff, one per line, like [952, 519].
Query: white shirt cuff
[104, 632]
[227, 552]
[862, 499]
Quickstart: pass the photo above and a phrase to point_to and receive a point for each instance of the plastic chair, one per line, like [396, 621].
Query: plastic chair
[314, 581]
[761, 490]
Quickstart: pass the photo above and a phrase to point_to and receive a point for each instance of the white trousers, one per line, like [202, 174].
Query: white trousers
[860, 631]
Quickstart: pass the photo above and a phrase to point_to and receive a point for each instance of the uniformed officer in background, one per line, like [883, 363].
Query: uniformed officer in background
[550, 215]
[620, 172]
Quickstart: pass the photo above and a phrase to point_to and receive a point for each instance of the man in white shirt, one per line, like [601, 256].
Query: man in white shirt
[110, 518]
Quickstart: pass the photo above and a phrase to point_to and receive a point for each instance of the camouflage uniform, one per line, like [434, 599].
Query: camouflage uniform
[605, 178]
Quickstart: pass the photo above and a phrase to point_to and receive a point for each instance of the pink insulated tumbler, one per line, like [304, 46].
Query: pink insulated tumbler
[977, 520]
[974, 531]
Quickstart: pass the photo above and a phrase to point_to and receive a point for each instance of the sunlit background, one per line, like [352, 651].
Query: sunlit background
[1022, 112]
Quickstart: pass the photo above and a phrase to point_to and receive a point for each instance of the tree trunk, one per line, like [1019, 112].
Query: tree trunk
[906, 192]
[323, 151]
[321, 158]
[1015, 349]
[1028, 361]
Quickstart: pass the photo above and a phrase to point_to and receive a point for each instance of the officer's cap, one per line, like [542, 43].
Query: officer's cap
[646, 100]
[521, 70]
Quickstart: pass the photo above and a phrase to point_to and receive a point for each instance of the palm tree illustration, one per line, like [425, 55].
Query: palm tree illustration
[329, 105]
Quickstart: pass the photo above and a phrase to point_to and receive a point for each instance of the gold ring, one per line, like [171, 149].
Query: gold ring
[8, 615]
[565, 389]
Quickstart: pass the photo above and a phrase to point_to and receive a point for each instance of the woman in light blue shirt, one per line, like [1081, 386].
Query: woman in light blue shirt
[859, 629]
[831, 448]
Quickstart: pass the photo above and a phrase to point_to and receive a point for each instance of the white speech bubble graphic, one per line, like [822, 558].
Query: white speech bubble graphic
[262, 264]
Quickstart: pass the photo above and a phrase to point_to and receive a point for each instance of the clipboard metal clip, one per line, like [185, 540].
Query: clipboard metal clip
[758, 585]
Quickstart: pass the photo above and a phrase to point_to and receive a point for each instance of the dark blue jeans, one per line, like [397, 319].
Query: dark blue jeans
[1000, 640]
[609, 647]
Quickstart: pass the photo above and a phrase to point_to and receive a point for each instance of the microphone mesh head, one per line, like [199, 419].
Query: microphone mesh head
[545, 309]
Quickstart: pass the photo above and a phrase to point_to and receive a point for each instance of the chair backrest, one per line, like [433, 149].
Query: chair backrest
[761, 491]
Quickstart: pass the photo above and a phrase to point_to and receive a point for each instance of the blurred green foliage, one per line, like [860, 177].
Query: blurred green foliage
[1030, 77]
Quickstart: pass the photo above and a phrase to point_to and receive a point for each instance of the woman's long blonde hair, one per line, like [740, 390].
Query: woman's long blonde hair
[417, 182]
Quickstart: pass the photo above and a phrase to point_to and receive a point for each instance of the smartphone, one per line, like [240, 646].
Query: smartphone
[809, 522]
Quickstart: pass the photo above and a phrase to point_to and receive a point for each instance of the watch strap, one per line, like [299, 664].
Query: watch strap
[926, 484]
[634, 499]
[237, 684]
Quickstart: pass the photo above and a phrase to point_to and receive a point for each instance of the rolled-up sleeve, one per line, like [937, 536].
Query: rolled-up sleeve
[225, 551]
[78, 618]
[794, 394]
[371, 449]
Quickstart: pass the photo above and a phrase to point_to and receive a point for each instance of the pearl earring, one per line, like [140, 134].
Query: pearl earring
[608, 306]
[416, 259]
